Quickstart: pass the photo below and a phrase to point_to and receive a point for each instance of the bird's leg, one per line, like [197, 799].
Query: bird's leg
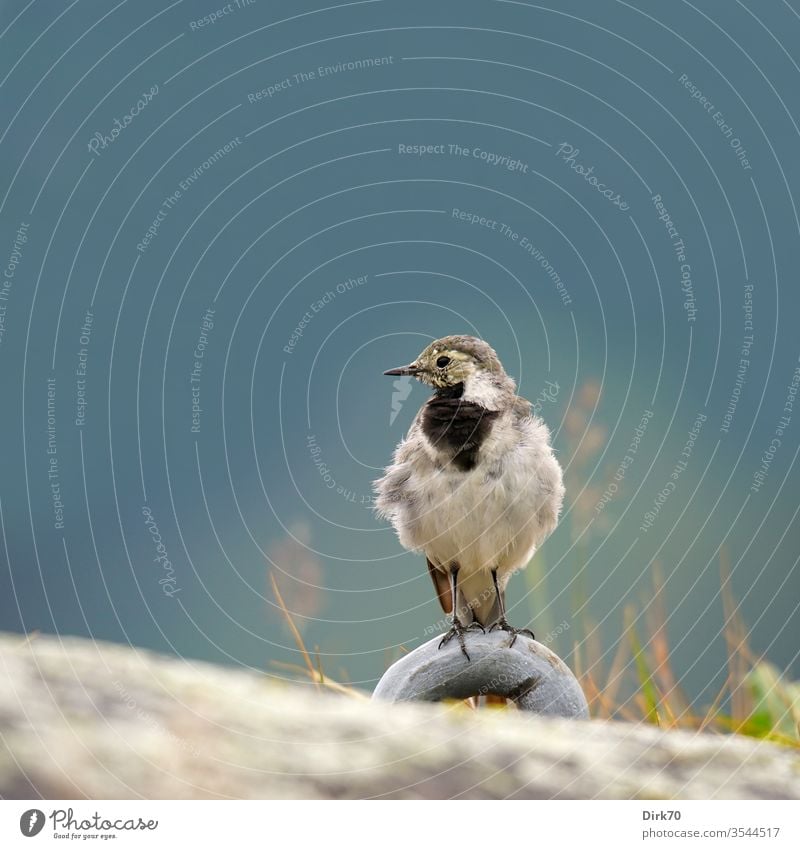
[502, 622]
[458, 629]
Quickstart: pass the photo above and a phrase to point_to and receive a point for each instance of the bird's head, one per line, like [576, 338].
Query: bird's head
[464, 366]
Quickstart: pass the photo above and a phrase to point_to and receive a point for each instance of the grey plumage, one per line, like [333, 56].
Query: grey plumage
[474, 485]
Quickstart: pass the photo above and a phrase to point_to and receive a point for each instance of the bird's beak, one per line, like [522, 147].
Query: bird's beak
[411, 369]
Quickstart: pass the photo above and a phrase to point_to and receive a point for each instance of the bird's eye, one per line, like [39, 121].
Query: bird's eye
[442, 362]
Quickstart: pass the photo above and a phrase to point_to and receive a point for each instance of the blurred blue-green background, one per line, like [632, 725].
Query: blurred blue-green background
[220, 225]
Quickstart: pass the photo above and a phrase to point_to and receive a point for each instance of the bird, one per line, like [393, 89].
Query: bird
[475, 484]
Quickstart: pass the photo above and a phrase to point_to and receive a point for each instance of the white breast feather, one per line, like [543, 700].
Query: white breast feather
[493, 516]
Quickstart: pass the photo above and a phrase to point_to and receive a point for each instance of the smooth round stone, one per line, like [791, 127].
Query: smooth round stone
[527, 672]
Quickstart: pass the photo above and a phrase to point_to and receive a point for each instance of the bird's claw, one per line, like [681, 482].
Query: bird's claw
[502, 625]
[457, 629]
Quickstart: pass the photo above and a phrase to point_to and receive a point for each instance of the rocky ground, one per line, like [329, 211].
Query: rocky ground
[84, 719]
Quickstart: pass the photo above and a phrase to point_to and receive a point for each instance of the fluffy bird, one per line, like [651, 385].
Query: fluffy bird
[474, 485]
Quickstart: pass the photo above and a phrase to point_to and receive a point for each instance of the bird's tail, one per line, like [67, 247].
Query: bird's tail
[477, 600]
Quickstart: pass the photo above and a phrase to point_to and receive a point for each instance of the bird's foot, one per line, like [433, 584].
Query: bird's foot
[502, 625]
[458, 630]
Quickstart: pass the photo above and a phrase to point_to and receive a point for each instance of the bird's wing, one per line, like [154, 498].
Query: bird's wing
[391, 489]
[523, 409]
[441, 583]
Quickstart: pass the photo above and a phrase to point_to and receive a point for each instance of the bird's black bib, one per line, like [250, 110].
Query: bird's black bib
[457, 426]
